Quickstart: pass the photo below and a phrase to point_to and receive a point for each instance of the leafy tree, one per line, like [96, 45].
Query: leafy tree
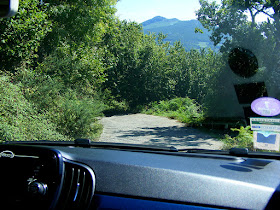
[53, 52]
[233, 24]
[71, 50]
[138, 73]
[122, 43]
[77, 23]
[229, 23]
[203, 69]
[20, 36]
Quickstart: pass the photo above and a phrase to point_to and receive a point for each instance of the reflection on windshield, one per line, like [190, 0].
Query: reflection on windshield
[200, 74]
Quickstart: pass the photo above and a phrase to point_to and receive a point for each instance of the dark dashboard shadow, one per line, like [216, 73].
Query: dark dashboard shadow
[247, 165]
[236, 168]
[274, 200]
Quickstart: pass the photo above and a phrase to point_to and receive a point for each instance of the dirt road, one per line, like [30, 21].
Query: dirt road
[154, 130]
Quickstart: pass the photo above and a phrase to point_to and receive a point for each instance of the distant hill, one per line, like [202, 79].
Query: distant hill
[177, 30]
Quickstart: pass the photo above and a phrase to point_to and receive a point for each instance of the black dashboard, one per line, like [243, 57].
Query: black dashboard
[71, 177]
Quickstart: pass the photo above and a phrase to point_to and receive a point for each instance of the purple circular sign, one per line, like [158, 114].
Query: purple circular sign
[266, 106]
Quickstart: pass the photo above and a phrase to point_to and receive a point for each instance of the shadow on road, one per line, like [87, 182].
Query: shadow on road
[172, 136]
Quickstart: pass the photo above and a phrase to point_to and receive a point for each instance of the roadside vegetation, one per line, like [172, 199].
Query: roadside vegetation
[244, 139]
[63, 64]
[184, 110]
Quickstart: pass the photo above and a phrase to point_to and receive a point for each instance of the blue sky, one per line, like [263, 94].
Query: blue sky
[141, 10]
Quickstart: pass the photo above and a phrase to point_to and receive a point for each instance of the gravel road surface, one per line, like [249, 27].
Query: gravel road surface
[154, 130]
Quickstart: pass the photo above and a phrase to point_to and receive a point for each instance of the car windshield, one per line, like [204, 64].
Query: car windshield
[189, 74]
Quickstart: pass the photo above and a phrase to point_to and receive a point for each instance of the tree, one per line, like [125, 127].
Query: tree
[57, 65]
[77, 23]
[20, 36]
[60, 38]
[233, 25]
[71, 50]
[248, 46]
[229, 23]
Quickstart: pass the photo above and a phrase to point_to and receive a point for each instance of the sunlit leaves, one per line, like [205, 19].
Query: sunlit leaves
[234, 21]
[21, 35]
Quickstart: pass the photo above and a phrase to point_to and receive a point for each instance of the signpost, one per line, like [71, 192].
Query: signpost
[266, 132]
[265, 124]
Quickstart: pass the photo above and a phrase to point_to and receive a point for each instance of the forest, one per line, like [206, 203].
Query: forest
[65, 63]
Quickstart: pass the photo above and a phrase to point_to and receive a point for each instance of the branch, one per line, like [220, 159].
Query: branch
[262, 10]
[271, 16]
[252, 16]
[259, 10]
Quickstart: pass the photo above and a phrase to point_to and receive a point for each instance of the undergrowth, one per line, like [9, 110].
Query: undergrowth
[244, 139]
[185, 110]
[40, 108]
[19, 118]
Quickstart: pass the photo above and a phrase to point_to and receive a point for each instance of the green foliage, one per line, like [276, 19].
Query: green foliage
[244, 139]
[19, 120]
[230, 26]
[20, 36]
[53, 51]
[73, 114]
[77, 24]
[82, 69]
[137, 74]
[77, 118]
[113, 106]
[197, 73]
[145, 68]
[185, 110]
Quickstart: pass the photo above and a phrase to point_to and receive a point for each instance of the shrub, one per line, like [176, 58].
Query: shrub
[244, 139]
[41, 110]
[19, 120]
[185, 110]
[73, 113]
[77, 118]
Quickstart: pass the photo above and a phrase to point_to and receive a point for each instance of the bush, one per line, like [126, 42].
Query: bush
[114, 106]
[244, 139]
[77, 118]
[72, 112]
[185, 110]
[19, 120]
[41, 108]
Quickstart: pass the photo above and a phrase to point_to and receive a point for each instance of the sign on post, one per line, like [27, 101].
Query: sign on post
[266, 132]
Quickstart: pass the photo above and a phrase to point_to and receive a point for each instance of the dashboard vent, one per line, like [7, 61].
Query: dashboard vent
[78, 187]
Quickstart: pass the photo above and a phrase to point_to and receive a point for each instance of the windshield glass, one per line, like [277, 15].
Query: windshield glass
[189, 74]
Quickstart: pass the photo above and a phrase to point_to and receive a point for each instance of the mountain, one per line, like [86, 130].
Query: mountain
[177, 30]
[159, 21]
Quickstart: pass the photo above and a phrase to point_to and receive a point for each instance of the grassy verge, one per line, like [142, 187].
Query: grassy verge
[184, 110]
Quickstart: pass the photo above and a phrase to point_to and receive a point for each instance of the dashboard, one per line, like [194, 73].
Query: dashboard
[71, 177]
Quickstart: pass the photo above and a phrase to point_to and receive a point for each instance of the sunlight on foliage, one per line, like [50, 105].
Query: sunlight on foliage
[20, 120]
[244, 139]
[185, 110]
